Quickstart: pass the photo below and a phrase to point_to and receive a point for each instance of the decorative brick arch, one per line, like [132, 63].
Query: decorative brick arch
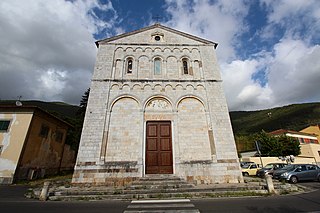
[158, 98]
[193, 125]
[122, 97]
[193, 97]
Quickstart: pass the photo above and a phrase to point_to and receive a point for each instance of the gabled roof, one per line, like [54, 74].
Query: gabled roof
[30, 108]
[157, 25]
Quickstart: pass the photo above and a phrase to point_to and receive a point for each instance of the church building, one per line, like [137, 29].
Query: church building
[156, 106]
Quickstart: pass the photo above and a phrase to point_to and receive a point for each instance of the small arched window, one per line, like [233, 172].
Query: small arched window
[157, 66]
[129, 65]
[185, 67]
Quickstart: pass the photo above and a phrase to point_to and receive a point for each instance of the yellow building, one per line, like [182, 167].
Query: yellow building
[312, 149]
[315, 129]
[309, 143]
[31, 143]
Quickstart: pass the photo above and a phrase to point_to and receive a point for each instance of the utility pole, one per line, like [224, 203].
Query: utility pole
[258, 150]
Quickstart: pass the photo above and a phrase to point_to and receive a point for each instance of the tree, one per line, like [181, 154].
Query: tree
[73, 136]
[290, 146]
[268, 145]
[275, 146]
[84, 103]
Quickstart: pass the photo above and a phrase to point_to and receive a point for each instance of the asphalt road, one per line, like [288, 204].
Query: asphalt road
[12, 200]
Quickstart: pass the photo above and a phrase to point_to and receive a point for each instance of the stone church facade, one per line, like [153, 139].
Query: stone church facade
[156, 106]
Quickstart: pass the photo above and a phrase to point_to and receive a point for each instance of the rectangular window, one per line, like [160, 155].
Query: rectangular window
[301, 140]
[4, 125]
[59, 136]
[157, 67]
[44, 131]
[185, 67]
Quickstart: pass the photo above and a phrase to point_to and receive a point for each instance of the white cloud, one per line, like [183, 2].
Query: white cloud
[44, 46]
[299, 18]
[242, 91]
[47, 49]
[220, 21]
[291, 67]
[294, 75]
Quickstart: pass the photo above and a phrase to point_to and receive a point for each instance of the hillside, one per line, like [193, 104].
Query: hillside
[293, 117]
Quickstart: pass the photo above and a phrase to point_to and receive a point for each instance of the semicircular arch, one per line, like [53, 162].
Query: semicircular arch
[149, 100]
[124, 96]
[192, 97]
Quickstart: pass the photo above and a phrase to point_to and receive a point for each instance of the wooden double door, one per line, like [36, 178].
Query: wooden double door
[159, 147]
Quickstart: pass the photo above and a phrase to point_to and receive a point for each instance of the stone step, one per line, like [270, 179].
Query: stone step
[160, 178]
[160, 186]
[112, 191]
[148, 192]
[199, 194]
[79, 192]
[158, 182]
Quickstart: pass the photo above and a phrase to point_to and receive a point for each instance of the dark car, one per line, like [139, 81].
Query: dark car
[269, 169]
[298, 172]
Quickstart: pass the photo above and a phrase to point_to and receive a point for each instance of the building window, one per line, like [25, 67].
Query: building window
[157, 66]
[44, 131]
[1, 147]
[319, 153]
[185, 67]
[4, 125]
[129, 66]
[59, 136]
[157, 36]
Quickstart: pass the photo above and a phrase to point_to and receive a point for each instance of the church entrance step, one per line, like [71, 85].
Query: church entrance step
[161, 195]
[160, 177]
[159, 186]
[159, 182]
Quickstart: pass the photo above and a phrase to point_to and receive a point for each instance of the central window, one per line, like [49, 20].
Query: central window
[157, 66]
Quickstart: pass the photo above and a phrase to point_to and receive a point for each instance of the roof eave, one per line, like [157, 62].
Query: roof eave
[154, 26]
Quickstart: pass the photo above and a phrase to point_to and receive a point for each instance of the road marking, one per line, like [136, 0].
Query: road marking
[163, 211]
[161, 201]
[162, 206]
[171, 205]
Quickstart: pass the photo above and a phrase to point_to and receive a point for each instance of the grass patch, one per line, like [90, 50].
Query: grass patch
[236, 194]
[62, 180]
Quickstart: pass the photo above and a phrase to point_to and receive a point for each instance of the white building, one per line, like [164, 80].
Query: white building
[156, 106]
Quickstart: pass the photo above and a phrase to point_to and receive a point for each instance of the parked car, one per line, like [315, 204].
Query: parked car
[269, 169]
[249, 169]
[243, 163]
[298, 172]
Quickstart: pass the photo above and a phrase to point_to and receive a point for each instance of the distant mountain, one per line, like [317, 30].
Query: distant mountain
[59, 109]
[292, 117]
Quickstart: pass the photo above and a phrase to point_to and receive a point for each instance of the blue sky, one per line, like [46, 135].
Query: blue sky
[268, 50]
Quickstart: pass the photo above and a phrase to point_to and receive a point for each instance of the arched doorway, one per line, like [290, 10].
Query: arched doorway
[158, 146]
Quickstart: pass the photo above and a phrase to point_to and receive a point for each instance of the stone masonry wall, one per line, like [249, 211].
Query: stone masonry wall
[112, 148]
